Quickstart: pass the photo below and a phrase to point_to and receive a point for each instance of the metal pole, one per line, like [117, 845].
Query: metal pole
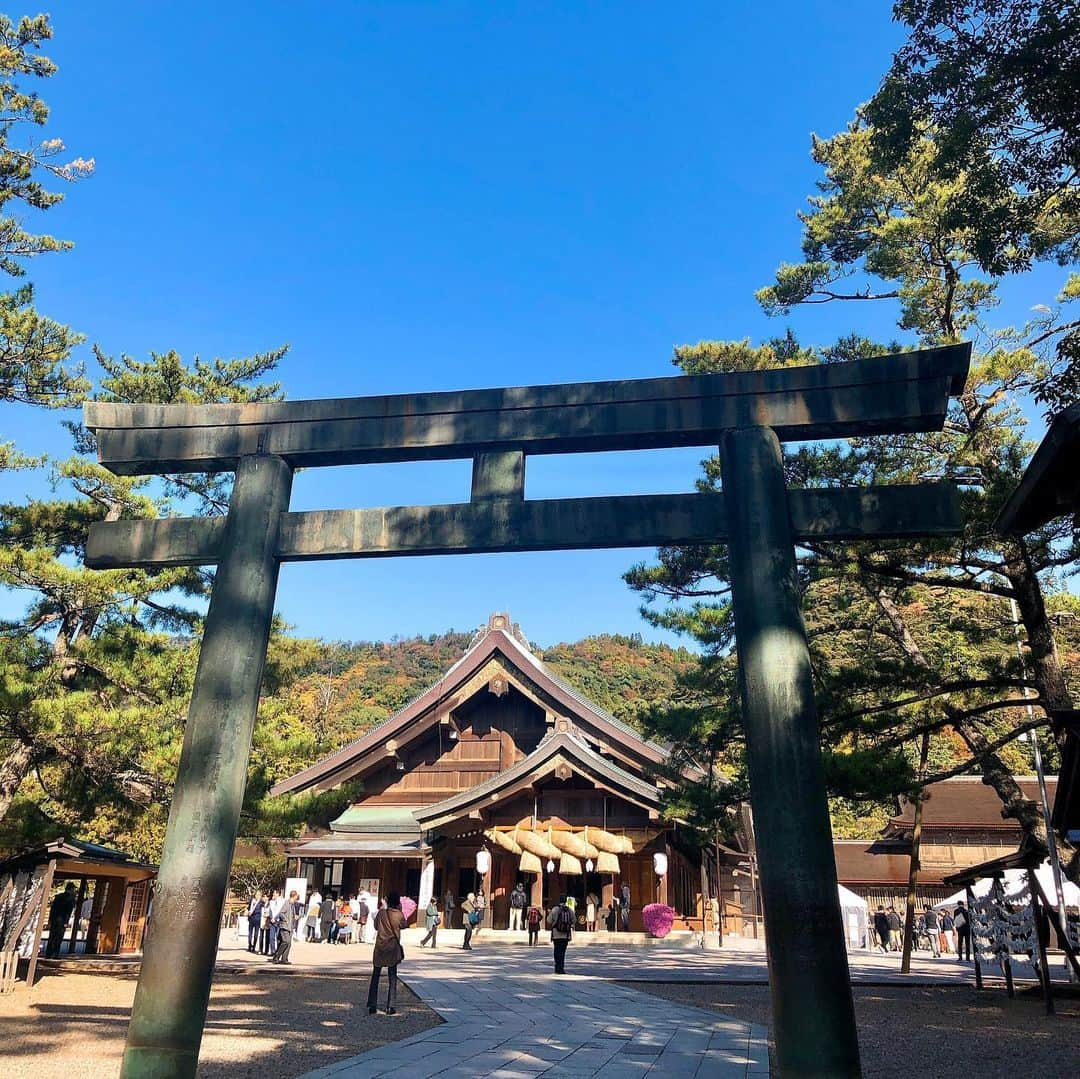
[1051, 837]
[813, 1013]
[914, 864]
[174, 986]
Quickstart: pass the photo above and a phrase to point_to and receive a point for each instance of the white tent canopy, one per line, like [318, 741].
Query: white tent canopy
[855, 913]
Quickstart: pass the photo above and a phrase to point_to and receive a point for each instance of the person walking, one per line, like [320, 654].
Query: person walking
[431, 922]
[470, 918]
[327, 918]
[518, 903]
[533, 920]
[881, 929]
[560, 921]
[948, 933]
[286, 925]
[933, 930]
[255, 907]
[895, 944]
[387, 953]
[962, 925]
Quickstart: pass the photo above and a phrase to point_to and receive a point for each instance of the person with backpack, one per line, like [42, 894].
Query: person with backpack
[533, 920]
[363, 915]
[470, 919]
[431, 922]
[517, 906]
[895, 943]
[962, 925]
[560, 921]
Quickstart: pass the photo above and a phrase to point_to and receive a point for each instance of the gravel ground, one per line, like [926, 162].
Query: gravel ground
[947, 1032]
[267, 1023]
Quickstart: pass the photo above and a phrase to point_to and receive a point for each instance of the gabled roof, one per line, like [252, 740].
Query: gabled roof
[561, 747]
[498, 639]
[965, 802]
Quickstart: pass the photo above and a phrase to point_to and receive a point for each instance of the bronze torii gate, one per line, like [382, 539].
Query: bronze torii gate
[747, 414]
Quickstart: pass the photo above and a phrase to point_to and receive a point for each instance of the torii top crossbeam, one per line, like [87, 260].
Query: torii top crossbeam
[907, 391]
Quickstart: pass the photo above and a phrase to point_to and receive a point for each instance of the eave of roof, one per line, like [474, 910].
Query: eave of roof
[1050, 486]
[495, 640]
[557, 746]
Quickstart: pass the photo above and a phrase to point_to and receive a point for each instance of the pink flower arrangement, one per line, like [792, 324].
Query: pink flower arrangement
[658, 918]
[408, 907]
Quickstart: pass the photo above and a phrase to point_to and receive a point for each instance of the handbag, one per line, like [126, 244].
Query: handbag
[474, 917]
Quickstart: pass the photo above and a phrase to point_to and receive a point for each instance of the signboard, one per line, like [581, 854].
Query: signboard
[297, 884]
[370, 885]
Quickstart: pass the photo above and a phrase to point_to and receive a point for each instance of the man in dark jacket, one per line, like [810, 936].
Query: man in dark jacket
[328, 919]
[62, 907]
[286, 924]
[962, 925]
[881, 928]
[518, 904]
[933, 930]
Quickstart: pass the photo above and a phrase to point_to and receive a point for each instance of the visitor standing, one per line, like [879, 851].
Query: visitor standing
[962, 925]
[624, 908]
[591, 904]
[277, 901]
[560, 921]
[314, 903]
[363, 914]
[448, 908]
[63, 906]
[481, 910]
[286, 924]
[933, 930]
[517, 906]
[895, 944]
[470, 918]
[327, 918]
[255, 907]
[431, 922]
[388, 953]
[343, 928]
[533, 920]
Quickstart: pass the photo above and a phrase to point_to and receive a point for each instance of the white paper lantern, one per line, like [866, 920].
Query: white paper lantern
[659, 863]
[483, 862]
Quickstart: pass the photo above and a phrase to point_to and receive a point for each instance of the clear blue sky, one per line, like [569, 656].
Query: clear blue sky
[436, 195]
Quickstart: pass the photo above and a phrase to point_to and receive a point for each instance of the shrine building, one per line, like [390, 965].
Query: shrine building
[501, 755]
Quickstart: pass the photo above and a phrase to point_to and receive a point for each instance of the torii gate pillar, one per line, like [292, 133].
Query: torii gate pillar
[813, 1012]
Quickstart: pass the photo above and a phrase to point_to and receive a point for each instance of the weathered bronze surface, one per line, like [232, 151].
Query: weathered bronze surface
[908, 391]
[813, 1013]
[501, 524]
[178, 961]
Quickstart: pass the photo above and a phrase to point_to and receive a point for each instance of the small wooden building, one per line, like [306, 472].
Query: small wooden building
[962, 826]
[501, 744]
[116, 886]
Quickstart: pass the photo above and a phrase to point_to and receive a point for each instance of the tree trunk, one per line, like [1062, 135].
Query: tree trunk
[13, 770]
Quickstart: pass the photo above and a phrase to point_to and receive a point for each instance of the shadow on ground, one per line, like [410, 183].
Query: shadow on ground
[260, 1023]
[947, 1032]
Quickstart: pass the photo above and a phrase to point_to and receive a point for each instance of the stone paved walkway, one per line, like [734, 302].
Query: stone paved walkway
[506, 1019]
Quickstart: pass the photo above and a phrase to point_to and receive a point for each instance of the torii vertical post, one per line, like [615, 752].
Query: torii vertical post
[813, 1012]
[174, 985]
